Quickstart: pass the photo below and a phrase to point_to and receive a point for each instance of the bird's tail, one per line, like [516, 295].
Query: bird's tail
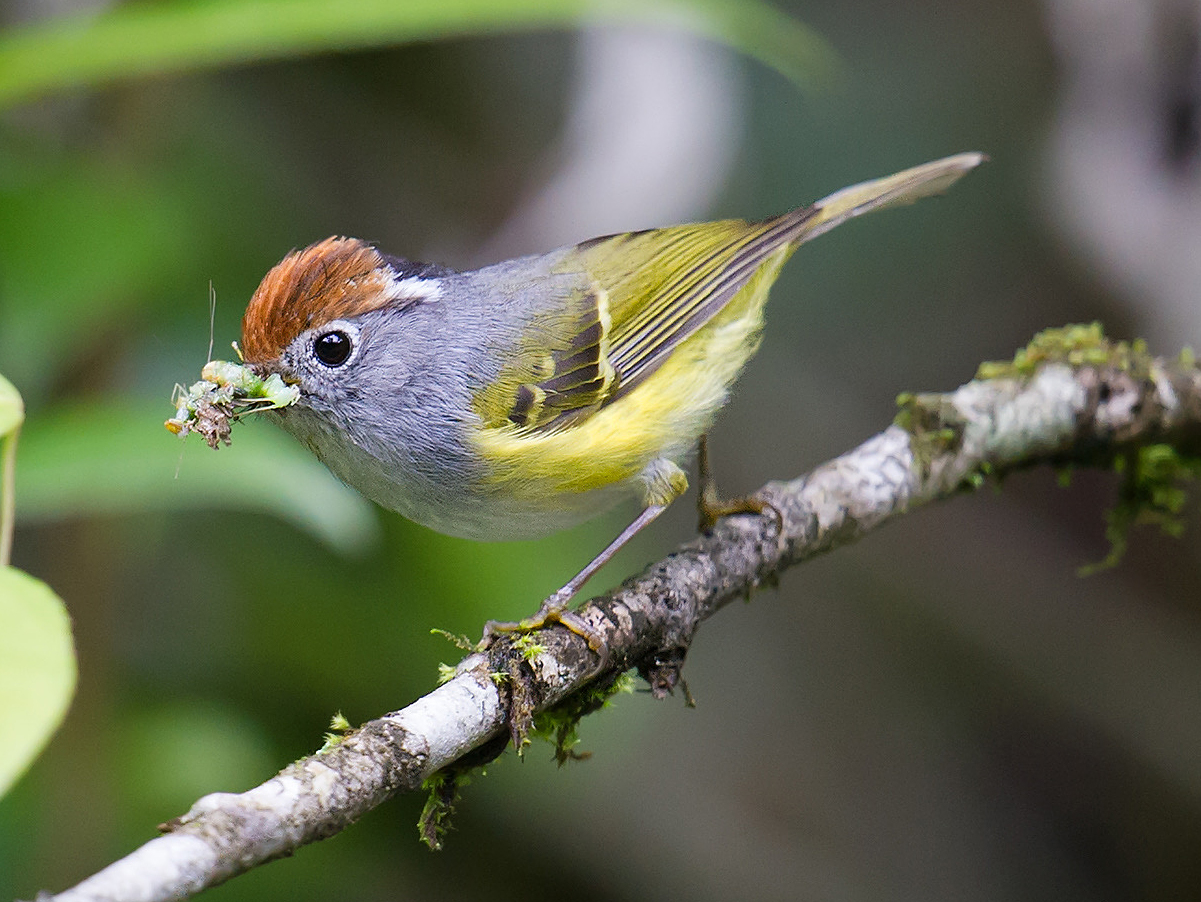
[893, 190]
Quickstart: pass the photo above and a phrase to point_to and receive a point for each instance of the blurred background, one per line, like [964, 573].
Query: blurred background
[945, 710]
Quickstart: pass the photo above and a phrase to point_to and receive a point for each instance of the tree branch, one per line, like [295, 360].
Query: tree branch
[1070, 398]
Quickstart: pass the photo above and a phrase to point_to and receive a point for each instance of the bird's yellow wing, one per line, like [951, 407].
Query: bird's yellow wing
[649, 291]
[659, 287]
[637, 296]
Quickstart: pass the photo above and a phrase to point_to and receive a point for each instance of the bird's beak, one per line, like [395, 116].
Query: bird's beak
[263, 370]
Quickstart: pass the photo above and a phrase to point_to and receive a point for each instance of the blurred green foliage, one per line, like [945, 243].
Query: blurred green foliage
[167, 37]
[62, 476]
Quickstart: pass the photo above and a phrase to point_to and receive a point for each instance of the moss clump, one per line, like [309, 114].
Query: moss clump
[1074, 345]
[1150, 495]
[560, 725]
[444, 788]
[458, 640]
[526, 645]
[339, 726]
[434, 823]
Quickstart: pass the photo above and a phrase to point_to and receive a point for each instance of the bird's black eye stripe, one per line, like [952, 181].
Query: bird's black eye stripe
[332, 348]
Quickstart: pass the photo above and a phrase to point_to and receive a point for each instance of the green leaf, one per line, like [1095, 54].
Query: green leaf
[12, 410]
[154, 38]
[118, 459]
[12, 414]
[37, 670]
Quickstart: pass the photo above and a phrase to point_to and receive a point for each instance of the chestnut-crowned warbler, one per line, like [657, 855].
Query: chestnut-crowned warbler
[524, 397]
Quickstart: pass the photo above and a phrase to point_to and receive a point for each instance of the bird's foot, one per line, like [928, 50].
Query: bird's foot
[553, 610]
[711, 508]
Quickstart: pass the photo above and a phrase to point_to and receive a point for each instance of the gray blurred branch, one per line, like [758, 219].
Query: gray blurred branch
[1123, 159]
[1087, 404]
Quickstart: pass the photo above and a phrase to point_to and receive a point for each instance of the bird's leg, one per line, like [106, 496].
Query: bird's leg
[554, 608]
[712, 508]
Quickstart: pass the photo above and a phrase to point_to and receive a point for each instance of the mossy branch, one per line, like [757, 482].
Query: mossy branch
[1070, 399]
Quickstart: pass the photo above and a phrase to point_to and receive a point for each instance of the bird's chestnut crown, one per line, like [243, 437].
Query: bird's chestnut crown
[338, 278]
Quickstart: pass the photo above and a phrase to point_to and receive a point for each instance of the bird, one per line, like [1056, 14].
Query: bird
[529, 395]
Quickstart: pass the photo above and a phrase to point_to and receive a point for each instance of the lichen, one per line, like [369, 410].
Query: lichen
[933, 424]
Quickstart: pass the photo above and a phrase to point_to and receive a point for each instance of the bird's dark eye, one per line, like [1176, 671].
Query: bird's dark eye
[332, 348]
